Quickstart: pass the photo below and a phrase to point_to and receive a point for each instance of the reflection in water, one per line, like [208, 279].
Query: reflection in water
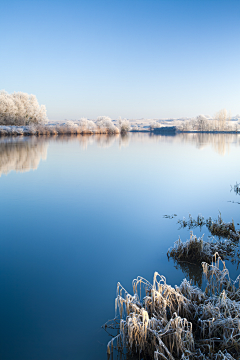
[106, 141]
[194, 272]
[220, 142]
[22, 155]
[40, 279]
[102, 140]
[191, 271]
[124, 140]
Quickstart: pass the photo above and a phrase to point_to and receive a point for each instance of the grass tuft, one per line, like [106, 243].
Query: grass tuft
[182, 322]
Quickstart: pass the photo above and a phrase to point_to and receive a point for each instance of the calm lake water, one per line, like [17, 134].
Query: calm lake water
[79, 214]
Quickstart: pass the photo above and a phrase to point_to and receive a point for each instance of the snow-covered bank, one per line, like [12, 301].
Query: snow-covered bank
[67, 128]
[105, 125]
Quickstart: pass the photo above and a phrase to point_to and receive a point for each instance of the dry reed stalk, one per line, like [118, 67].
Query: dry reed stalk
[196, 250]
[182, 322]
[216, 227]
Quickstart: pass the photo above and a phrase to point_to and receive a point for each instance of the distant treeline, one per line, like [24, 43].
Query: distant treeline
[220, 123]
[19, 111]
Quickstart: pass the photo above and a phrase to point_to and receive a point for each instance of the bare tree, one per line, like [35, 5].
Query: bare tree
[222, 117]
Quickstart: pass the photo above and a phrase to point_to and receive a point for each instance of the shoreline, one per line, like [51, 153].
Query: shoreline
[62, 129]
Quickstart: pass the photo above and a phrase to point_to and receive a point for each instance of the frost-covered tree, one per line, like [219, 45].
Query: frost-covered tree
[124, 125]
[105, 123]
[222, 117]
[86, 124]
[21, 109]
[202, 123]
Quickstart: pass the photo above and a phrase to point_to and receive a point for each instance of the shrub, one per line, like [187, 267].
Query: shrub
[124, 126]
[105, 124]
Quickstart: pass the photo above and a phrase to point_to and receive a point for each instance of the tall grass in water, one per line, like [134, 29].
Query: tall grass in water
[196, 250]
[182, 322]
[216, 227]
[236, 188]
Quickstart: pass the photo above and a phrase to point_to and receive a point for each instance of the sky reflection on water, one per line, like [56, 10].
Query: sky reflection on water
[90, 215]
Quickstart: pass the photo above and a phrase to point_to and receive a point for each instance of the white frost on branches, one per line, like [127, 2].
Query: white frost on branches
[124, 125]
[105, 122]
[21, 109]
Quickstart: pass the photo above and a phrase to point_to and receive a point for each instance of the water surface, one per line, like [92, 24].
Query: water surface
[79, 214]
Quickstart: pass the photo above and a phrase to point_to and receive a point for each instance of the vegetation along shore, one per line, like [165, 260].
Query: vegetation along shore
[158, 321]
[21, 114]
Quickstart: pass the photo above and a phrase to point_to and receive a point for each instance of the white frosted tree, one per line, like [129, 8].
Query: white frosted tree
[86, 124]
[21, 109]
[105, 123]
[222, 117]
[202, 123]
[124, 125]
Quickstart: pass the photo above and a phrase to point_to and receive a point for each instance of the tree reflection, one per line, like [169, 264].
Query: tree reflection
[21, 154]
[102, 140]
[220, 142]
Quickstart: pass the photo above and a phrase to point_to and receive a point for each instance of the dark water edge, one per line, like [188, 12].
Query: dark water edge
[79, 213]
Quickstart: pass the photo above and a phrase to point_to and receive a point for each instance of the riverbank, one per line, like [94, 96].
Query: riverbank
[111, 127]
[54, 129]
[65, 129]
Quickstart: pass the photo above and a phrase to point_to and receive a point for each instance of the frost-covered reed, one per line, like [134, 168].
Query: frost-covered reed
[182, 322]
[196, 250]
[21, 109]
[216, 227]
[236, 188]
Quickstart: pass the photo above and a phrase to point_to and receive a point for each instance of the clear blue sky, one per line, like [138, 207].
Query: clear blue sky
[129, 58]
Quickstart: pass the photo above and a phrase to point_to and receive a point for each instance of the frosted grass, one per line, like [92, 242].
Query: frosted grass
[184, 322]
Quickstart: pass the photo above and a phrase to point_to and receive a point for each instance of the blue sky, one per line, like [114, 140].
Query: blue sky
[134, 59]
